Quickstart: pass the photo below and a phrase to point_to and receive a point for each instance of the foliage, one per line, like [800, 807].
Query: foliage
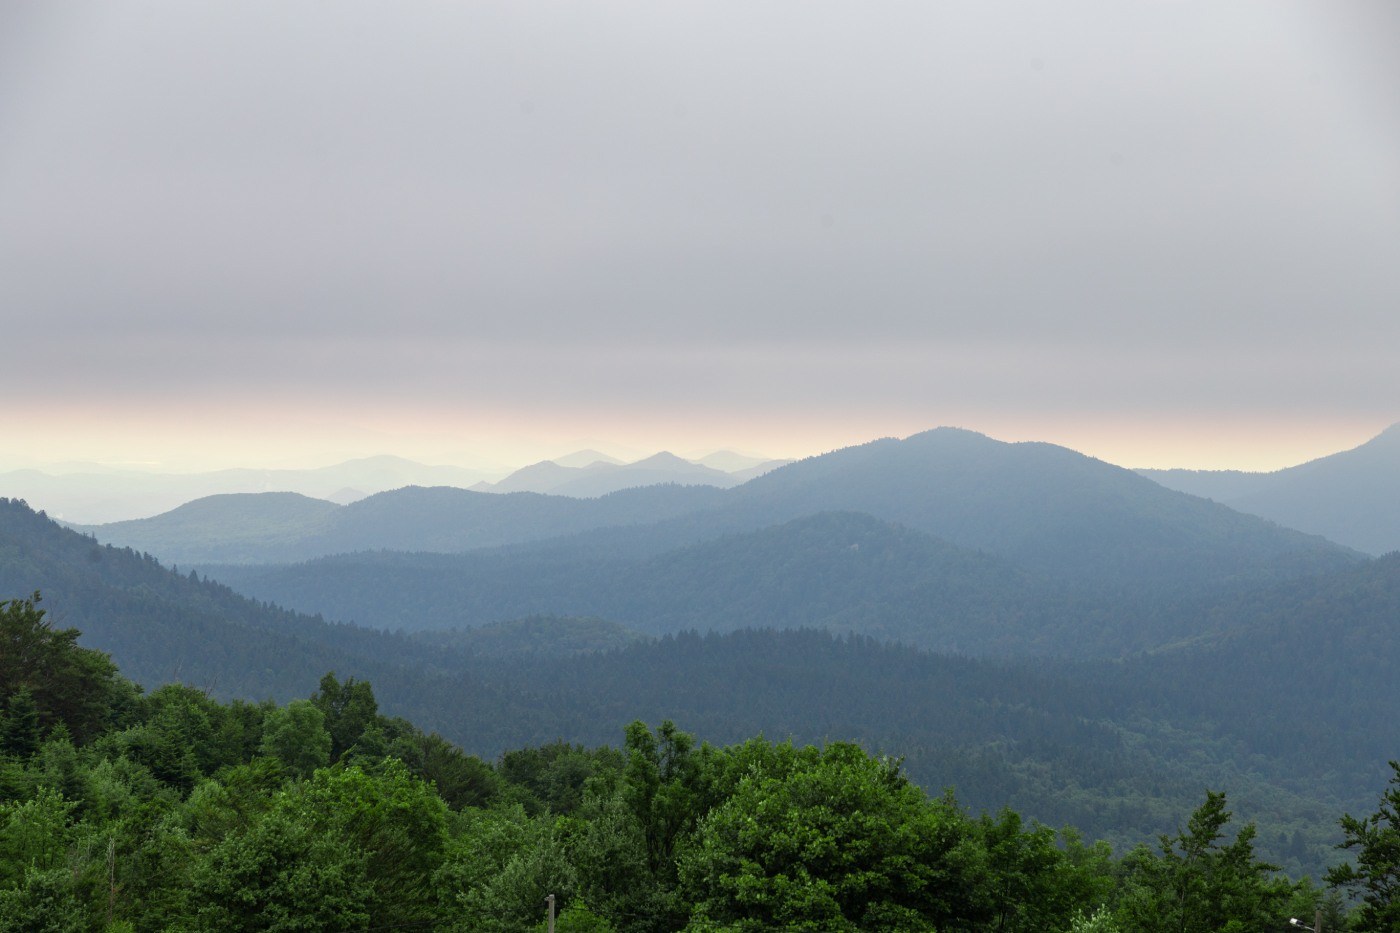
[349, 709]
[834, 839]
[296, 736]
[281, 875]
[174, 811]
[1376, 874]
[44, 675]
[1196, 883]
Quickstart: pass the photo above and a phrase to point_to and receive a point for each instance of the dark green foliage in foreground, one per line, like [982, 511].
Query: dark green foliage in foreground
[1198, 884]
[1376, 874]
[45, 679]
[179, 812]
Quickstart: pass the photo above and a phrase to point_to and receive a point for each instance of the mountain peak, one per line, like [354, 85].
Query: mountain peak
[585, 458]
[663, 458]
[950, 434]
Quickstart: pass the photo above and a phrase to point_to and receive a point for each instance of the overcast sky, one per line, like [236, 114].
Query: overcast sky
[262, 233]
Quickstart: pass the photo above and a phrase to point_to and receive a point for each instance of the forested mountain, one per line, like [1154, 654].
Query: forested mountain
[1304, 668]
[249, 529]
[1352, 497]
[845, 572]
[163, 626]
[1047, 509]
[1119, 749]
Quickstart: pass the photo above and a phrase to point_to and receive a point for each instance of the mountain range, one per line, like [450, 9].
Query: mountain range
[97, 494]
[1104, 645]
[601, 477]
[1047, 509]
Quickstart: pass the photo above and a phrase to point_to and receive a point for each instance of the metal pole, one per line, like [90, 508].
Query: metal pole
[550, 901]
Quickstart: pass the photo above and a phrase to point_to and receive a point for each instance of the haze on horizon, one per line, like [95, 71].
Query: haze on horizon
[265, 234]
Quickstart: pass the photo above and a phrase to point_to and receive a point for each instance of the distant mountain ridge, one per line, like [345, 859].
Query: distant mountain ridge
[103, 495]
[93, 494]
[1047, 509]
[600, 477]
[225, 529]
[1351, 497]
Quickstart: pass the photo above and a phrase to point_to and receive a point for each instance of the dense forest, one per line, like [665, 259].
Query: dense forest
[122, 810]
[1284, 700]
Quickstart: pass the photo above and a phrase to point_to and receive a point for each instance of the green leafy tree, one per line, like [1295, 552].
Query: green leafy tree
[460, 779]
[19, 725]
[279, 876]
[660, 781]
[498, 869]
[350, 708]
[834, 840]
[232, 803]
[1375, 876]
[1033, 883]
[46, 901]
[557, 773]
[1198, 883]
[34, 834]
[608, 847]
[578, 918]
[75, 686]
[296, 736]
[394, 819]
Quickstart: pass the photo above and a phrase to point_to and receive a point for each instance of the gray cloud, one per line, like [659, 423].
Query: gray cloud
[1089, 205]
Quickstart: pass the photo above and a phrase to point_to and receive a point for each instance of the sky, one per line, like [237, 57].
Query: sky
[286, 234]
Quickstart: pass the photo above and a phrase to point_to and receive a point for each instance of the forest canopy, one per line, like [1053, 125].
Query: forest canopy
[170, 810]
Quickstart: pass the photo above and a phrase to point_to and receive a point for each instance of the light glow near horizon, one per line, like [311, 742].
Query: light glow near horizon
[292, 437]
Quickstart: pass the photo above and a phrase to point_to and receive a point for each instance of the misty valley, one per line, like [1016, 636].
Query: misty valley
[942, 682]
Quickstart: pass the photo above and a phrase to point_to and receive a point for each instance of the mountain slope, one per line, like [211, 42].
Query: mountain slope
[1044, 507]
[161, 626]
[1352, 497]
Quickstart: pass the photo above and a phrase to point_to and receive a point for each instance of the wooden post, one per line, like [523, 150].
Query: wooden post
[550, 901]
